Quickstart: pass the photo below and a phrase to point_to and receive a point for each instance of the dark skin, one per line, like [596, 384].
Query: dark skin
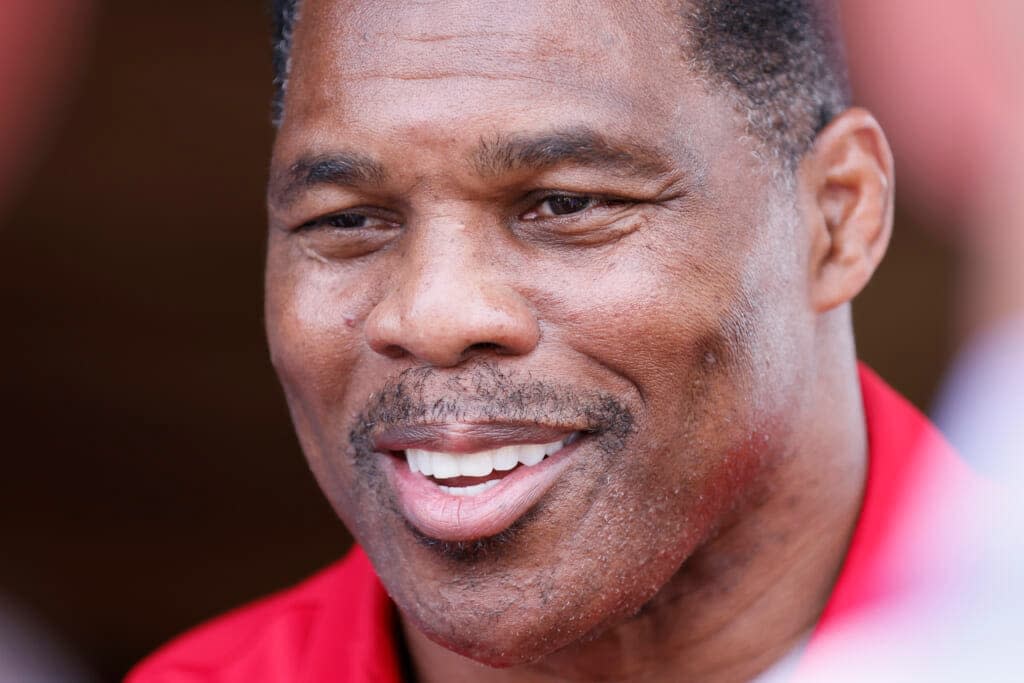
[489, 195]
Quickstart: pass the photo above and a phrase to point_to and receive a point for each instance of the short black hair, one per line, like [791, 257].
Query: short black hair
[782, 58]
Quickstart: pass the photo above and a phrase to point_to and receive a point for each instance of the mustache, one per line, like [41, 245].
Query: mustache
[484, 392]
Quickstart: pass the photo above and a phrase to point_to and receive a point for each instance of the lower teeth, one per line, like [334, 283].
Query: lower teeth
[469, 490]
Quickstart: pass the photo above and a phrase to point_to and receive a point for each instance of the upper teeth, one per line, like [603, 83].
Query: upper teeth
[480, 464]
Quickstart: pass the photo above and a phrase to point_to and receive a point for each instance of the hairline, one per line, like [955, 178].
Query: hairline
[783, 133]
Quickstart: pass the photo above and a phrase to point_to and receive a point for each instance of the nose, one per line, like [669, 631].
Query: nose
[445, 305]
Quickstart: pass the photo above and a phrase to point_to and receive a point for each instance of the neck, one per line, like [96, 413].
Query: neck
[748, 595]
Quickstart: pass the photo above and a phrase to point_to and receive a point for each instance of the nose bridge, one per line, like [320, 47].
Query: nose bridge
[445, 270]
[450, 298]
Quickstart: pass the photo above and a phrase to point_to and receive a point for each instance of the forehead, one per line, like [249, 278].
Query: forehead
[376, 65]
[522, 37]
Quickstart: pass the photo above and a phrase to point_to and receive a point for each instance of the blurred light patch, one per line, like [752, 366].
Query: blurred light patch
[946, 81]
[43, 47]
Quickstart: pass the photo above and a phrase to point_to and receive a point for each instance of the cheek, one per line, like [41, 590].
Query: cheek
[312, 330]
[315, 343]
[682, 323]
[670, 318]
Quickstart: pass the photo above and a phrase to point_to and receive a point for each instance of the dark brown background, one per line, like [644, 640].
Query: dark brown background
[152, 478]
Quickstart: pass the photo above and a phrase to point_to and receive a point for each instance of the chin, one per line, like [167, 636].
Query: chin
[492, 629]
[499, 646]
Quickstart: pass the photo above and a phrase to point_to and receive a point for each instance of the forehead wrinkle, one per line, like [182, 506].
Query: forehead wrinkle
[504, 45]
[535, 59]
[381, 38]
[434, 75]
[480, 35]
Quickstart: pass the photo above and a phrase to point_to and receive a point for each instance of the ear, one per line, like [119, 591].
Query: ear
[846, 193]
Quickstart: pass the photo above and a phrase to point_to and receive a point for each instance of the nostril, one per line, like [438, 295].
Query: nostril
[485, 347]
[392, 351]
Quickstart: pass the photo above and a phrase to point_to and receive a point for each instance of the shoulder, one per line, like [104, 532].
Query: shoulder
[272, 638]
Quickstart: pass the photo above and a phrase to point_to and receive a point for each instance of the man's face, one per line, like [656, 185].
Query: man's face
[516, 226]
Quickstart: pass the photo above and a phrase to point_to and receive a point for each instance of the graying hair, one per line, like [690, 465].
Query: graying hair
[284, 14]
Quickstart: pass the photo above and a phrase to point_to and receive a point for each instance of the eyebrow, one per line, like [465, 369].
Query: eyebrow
[341, 169]
[577, 145]
[492, 157]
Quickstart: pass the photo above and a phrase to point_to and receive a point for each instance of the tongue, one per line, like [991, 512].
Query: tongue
[472, 481]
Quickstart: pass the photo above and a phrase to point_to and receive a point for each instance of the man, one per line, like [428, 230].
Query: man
[559, 294]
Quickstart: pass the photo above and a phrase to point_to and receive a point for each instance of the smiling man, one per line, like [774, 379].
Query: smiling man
[558, 292]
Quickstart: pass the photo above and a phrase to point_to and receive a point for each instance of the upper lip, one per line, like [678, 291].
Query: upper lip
[467, 437]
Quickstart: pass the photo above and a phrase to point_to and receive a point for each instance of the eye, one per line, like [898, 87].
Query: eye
[345, 220]
[348, 220]
[563, 204]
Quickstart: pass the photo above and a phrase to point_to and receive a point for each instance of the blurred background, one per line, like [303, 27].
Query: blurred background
[153, 479]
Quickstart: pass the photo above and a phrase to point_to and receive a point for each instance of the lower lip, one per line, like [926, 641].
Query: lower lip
[445, 517]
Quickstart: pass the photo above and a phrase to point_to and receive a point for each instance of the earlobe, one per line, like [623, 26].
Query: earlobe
[846, 185]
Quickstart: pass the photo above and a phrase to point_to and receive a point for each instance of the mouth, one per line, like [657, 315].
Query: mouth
[469, 482]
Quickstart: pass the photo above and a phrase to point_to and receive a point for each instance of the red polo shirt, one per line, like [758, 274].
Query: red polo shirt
[340, 624]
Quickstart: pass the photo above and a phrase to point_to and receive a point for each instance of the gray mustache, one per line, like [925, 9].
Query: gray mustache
[484, 392]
